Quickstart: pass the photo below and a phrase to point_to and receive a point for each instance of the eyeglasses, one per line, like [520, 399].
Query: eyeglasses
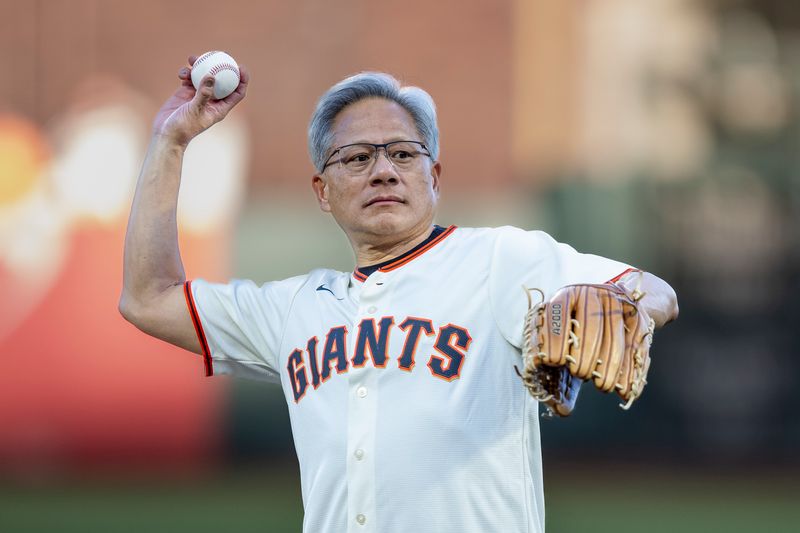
[359, 158]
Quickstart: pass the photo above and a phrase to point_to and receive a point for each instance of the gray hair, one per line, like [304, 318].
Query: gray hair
[416, 101]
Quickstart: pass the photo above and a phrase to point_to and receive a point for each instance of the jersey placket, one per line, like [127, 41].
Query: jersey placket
[362, 412]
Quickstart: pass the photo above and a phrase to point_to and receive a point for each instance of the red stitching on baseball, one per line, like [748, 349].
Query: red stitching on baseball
[204, 57]
[222, 66]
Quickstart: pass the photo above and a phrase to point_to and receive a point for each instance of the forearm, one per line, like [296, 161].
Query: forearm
[659, 300]
[152, 261]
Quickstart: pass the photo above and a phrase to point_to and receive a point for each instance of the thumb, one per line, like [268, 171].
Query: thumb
[205, 92]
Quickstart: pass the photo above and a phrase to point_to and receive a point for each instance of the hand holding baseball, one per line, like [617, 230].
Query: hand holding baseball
[222, 67]
[189, 111]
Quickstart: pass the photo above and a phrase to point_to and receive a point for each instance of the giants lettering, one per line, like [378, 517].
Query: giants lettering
[335, 344]
[452, 344]
[414, 327]
[449, 369]
[297, 374]
[376, 344]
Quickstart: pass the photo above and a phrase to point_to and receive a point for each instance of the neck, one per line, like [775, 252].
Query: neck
[378, 249]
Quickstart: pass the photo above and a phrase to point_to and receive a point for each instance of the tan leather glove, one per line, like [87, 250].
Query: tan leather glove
[586, 332]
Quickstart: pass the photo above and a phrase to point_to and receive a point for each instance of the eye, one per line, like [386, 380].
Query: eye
[357, 157]
[400, 155]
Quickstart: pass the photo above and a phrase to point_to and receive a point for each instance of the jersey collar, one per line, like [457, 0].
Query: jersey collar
[437, 235]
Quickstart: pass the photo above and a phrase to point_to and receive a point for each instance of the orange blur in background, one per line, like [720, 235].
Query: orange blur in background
[80, 387]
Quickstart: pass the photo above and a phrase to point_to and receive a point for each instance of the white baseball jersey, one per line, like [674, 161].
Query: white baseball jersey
[406, 409]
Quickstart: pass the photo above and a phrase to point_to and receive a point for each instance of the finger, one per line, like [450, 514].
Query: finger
[244, 77]
[241, 90]
[205, 92]
[192, 59]
[185, 75]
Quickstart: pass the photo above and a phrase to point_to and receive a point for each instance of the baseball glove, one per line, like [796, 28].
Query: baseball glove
[586, 332]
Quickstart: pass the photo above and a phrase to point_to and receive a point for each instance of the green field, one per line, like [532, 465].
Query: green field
[270, 502]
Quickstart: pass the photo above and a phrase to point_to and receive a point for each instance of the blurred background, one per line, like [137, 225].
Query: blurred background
[663, 133]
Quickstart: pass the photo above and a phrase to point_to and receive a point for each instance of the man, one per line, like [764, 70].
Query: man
[406, 409]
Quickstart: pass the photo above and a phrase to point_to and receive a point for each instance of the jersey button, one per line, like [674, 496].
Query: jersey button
[359, 453]
[361, 391]
[361, 519]
[371, 309]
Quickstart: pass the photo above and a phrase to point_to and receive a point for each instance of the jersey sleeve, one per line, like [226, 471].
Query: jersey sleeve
[534, 260]
[240, 325]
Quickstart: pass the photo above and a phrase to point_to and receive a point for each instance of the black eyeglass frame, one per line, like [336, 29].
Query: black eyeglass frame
[328, 161]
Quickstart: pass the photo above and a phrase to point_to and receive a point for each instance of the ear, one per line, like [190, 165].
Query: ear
[321, 192]
[436, 171]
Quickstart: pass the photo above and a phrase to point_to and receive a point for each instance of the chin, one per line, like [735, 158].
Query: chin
[386, 224]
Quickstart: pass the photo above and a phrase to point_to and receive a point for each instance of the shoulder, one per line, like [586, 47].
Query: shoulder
[320, 275]
[285, 287]
[506, 238]
[309, 281]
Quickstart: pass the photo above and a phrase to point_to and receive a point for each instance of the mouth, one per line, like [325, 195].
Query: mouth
[384, 200]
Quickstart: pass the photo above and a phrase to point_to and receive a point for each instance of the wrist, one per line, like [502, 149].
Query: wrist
[169, 141]
[630, 283]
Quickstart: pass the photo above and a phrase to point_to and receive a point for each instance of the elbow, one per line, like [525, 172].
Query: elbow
[128, 309]
[134, 312]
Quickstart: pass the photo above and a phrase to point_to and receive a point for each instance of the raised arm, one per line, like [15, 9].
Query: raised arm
[152, 296]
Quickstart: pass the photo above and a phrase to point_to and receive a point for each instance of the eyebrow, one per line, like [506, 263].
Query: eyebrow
[388, 140]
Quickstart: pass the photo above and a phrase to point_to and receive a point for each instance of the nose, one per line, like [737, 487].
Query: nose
[382, 169]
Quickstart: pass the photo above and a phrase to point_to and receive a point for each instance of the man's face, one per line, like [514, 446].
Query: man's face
[382, 202]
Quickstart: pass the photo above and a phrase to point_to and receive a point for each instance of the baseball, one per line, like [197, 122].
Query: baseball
[224, 69]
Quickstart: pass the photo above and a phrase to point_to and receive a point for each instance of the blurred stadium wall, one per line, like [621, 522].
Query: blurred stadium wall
[663, 133]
